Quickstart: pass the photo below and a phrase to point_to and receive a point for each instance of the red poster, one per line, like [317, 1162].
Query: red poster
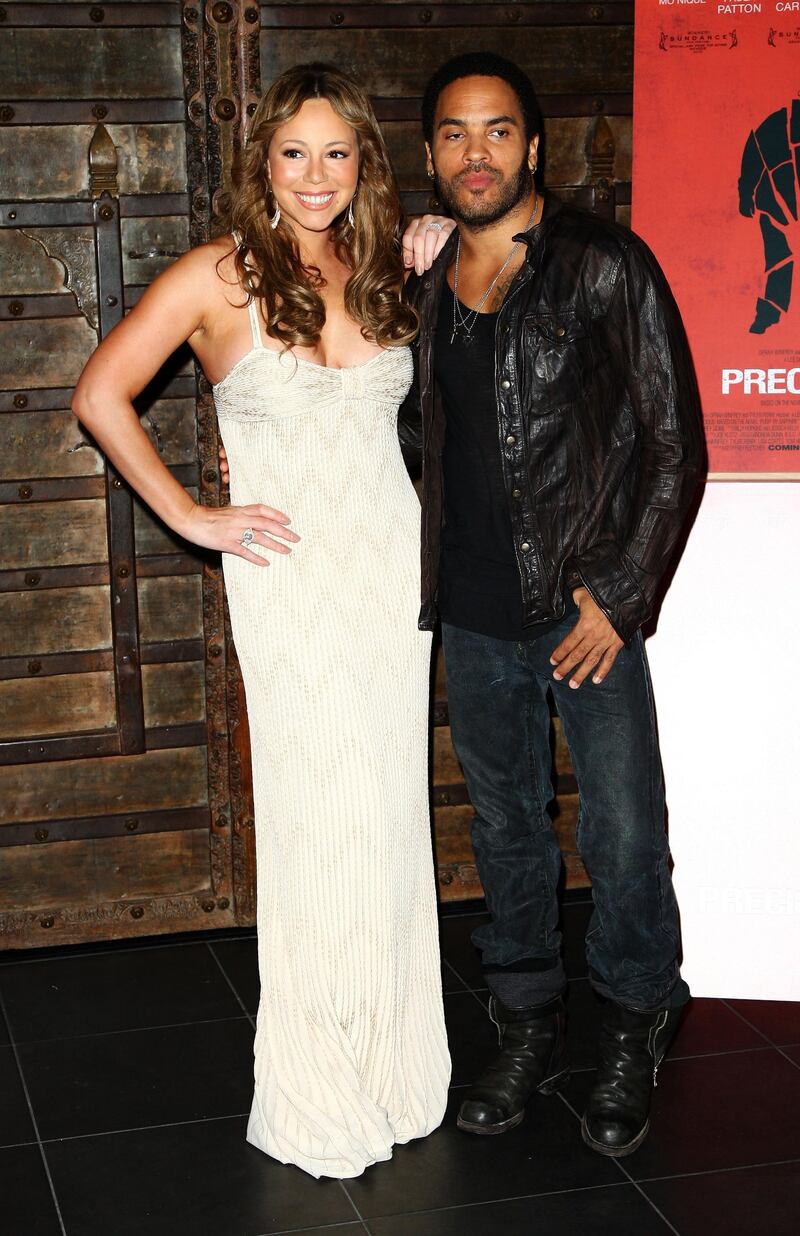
[716, 190]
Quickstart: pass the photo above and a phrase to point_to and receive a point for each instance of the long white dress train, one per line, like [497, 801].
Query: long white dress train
[350, 1047]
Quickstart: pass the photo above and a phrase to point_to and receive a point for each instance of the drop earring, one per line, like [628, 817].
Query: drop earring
[276, 218]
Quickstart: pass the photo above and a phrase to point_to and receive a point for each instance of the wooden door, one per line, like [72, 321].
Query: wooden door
[125, 799]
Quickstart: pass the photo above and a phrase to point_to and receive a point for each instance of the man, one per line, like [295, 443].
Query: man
[561, 444]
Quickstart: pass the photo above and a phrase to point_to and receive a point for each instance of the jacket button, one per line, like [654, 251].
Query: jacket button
[510, 440]
[561, 332]
[426, 283]
[516, 493]
[525, 546]
[505, 385]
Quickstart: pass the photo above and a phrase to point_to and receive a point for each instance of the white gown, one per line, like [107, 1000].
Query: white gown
[350, 1047]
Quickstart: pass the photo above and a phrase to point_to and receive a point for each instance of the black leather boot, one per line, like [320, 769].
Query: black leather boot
[630, 1049]
[533, 1056]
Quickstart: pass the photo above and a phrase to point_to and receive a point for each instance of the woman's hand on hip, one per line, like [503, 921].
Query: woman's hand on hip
[224, 470]
[224, 528]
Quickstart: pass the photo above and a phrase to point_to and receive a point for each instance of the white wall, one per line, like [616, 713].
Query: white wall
[726, 672]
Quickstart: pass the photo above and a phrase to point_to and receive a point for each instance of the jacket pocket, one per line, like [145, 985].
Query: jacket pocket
[556, 354]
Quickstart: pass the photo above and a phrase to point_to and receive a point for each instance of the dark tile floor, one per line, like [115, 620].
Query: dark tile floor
[125, 1082]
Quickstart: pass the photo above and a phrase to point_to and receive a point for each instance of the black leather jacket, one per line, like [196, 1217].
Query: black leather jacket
[598, 418]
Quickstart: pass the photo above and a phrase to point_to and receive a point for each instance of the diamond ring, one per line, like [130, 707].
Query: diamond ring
[433, 227]
[247, 537]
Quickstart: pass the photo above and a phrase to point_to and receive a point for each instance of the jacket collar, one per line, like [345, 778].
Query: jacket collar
[551, 207]
[430, 284]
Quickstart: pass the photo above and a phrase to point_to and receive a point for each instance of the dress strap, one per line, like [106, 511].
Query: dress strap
[255, 325]
[252, 307]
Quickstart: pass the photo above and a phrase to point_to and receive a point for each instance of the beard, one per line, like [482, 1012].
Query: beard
[477, 213]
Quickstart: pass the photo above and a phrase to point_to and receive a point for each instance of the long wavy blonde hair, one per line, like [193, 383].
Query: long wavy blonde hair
[293, 308]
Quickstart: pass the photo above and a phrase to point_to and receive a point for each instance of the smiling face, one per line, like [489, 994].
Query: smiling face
[480, 156]
[313, 166]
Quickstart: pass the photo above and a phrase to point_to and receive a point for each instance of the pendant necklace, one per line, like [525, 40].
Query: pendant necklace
[466, 322]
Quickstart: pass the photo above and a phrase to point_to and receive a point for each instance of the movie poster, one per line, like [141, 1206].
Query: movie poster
[716, 188]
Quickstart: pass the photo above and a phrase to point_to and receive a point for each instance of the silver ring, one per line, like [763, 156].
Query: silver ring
[433, 227]
[247, 536]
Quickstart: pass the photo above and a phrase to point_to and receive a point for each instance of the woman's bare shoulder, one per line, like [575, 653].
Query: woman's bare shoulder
[204, 278]
[211, 260]
[207, 272]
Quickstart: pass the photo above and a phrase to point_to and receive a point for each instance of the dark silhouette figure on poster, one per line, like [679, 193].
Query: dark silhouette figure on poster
[768, 184]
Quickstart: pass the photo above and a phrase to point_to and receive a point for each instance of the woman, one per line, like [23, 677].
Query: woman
[297, 321]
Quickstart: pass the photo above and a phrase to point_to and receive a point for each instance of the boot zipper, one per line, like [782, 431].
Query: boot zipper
[659, 1025]
[495, 1022]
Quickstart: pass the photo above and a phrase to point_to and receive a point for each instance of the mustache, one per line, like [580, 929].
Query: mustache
[474, 169]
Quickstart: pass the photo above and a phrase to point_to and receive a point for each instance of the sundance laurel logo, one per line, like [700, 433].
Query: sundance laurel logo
[698, 41]
[780, 38]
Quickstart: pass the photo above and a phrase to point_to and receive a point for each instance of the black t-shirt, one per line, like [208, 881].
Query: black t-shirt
[479, 583]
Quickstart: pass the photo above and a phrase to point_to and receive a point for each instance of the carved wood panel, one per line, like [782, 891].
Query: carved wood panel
[114, 806]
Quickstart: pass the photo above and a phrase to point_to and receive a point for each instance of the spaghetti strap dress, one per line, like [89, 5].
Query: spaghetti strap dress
[350, 1049]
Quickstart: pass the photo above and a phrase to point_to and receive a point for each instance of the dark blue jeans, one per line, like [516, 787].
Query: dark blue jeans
[500, 725]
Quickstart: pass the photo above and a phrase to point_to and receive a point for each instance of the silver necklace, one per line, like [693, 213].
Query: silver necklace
[461, 320]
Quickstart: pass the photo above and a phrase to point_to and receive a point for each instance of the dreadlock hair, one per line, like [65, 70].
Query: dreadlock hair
[482, 64]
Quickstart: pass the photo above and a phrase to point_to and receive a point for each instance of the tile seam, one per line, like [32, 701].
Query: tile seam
[32, 1114]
